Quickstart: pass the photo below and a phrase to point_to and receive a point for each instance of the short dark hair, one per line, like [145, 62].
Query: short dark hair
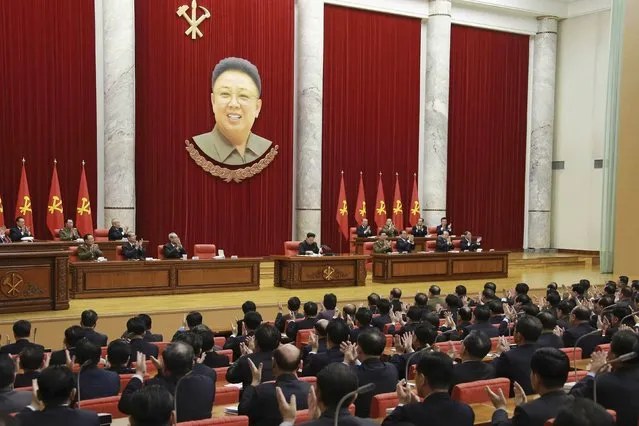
[86, 236]
[530, 309]
[267, 337]
[426, 334]
[626, 291]
[396, 292]
[623, 279]
[135, 326]
[31, 357]
[552, 367]
[337, 332]
[453, 301]
[496, 307]
[581, 313]
[310, 309]
[552, 286]
[579, 289]
[249, 306]
[119, 352]
[252, 320]
[193, 318]
[605, 301]
[460, 290]
[73, 334]
[524, 299]
[548, 320]
[522, 288]
[207, 337]
[437, 368]
[320, 327]
[431, 318]
[335, 381]
[465, 313]
[294, 303]
[624, 342]
[414, 313]
[529, 327]
[284, 363]
[488, 293]
[178, 358]
[21, 329]
[146, 319]
[55, 385]
[444, 218]
[87, 351]
[490, 285]
[373, 298]
[190, 338]
[553, 298]
[19, 217]
[583, 412]
[89, 318]
[330, 301]
[620, 312]
[349, 309]
[7, 371]
[585, 283]
[481, 313]
[384, 306]
[610, 289]
[421, 299]
[434, 290]
[237, 64]
[565, 306]
[151, 405]
[364, 316]
[478, 344]
[371, 341]
[310, 235]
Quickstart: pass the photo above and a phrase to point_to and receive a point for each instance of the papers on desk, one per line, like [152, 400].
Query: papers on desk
[233, 385]
[231, 410]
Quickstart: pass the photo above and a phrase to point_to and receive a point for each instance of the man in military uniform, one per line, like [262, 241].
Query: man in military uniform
[382, 245]
[69, 233]
[389, 229]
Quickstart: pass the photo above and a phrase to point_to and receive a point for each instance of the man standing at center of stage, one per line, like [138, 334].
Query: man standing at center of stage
[173, 249]
[382, 245]
[116, 233]
[308, 244]
[364, 230]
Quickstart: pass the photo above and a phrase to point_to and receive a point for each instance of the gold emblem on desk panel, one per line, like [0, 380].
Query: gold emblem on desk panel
[10, 284]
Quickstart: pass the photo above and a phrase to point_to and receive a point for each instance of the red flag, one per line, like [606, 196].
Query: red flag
[55, 215]
[360, 207]
[83, 218]
[414, 203]
[342, 210]
[1, 214]
[398, 209]
[380, 205]
[23, 203]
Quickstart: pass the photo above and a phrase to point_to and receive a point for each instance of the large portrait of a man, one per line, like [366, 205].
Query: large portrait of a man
[236, 101]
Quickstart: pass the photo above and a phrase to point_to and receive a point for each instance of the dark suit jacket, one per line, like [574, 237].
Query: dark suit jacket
[260, 404]
[121, 370]
[345, 419]
[95, 337]
[486, 327]
[471, 371]
[464, 244]
[195, 398]
[16, 234]
[59, 416]
[617, 391]
[98, 383]
[400, 360]
[441, 230]
[140, 345]
[364, 232]
[436, 410]
[16, 348]
[233, 343]
[280, 320]
[321, 347]
[515, 365]
[215, 360]
[396, 305]
[240, 371]
[60, 358]
[304, 247]
[534, 413]
[355, 333]
[150, 337]
[442, 245]
[587, 344]
[172, 252]
[404, 246]
[381, 321]
[419, 232]
[550, 340]
[132, 252]
[12, 401]
[382, 374]
[315, 362]
[305, 324]
[115, 234]
[24, 380]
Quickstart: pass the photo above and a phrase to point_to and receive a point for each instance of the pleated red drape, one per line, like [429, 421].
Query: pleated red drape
[371, 109]
[47, 106]
[173, 86]
[487, 134]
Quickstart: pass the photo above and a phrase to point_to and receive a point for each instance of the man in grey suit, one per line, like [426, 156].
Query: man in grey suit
[11, 400]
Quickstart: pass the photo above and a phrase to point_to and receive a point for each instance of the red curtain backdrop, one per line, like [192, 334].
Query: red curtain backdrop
[173, 87]
[487, 135]
[371, 109]
[47, 109]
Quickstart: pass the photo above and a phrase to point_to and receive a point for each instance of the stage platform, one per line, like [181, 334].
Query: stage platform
[219, 309]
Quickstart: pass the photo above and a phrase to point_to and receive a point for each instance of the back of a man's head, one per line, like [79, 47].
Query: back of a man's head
[56, 384]
[396, 293]
[426, 334]
[583, 412]
[530, 309]
[135, 326]
[465, 313]
[31, 358]
[579, 289]
[495, 307]
[384, 306]
[310, 309]
[488, 294]
[7, 371]
[118, 352]
[523, 299]
[529, 328]
[624, 342]
[249, 306]
[334, 382]
[481, 313]
[414, 314]
[330, 301]
[434, 290]
[421, 300]
[151, 406]
[565, 307]
[364, 316]
[349, 310]
[553, 298]
[89, 318]
[437, 368]
[193, 318]
[461, 290]
[320, 327]
[73, 334]
[252, 320]
[207, 337]
[431, 318]
[372, 342]
[550, 366]
[491, 286]
[178, 358]
[190, 338]
[21, 329]
[548, 320]
[522, 288]
[373, 298]
[287, 358]
[337, 332]
[293, 303]
[87, 352]
[581, 313]
[453, 301]
[267, 337]
[146, 319]
[477, 344]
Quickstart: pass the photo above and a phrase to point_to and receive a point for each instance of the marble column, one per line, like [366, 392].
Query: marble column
[433, 179]
[542, 133]
[119, 111]
[310, 72]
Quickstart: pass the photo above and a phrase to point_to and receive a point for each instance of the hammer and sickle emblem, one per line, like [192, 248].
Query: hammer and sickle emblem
[11, 283]
[328, 273]
[398, 207]
[85, 207]
[26, 207]
[382, 208]
[56, 205]
[193, 20]
[362, 211]
[415, 209]
[344, 209]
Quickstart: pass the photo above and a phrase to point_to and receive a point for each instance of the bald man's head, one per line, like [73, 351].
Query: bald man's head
[287, 358]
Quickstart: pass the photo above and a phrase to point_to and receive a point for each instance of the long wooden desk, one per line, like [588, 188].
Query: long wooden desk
[107, 247]
[393, 268]
[137, 278]
[319, 271]
[420, 242]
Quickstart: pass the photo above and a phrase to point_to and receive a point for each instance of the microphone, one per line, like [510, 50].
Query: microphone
[362, 389]
[411, 357]
[574, 349]
[87, 362]
[35, 331]
[622, 358]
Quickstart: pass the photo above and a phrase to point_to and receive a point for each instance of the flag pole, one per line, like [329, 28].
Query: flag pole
[341, 237]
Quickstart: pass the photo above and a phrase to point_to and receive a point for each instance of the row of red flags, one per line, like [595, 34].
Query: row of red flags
[381, 212]
[55, 212]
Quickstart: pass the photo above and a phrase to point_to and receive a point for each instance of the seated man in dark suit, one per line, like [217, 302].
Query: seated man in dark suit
[56, 394]
[293, 306]
[212, 358]
[395, 298]
[421, 337]
[467, 243]
[336, 334]
[152, 405]
[196, 392]
[414, 317]
[371, 369]
[72, 335]
[330, 303]
[420, 230]
[133, 249]
[320, 345]
[580, 326]
[11, 400]
[173, 249]
[548, 338]
[267, 339]
[119, 357]
[384, 307]
[364, 230]
[308, 245]
[31, 362]
[116, 232]
[148, 334]
[310, 318]
[259, 402]
[481, 322]
[19, 231]
[21, 332]
[616, 390]
[88, 321]
[434, 373]
[444, 226]
[363, 319]
[496, 311]
[405, 243]
[514, 364]
[191, 320]
[583, 412]
[135, 332]
[549, 367]
[474, 349]
[252, 321]
[372, 300]
[94, 382]
[444, 243]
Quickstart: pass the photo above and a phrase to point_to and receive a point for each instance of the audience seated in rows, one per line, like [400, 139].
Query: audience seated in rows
[258, 349]
[336, 333]
[11, 400]
[306, 323]
[31, 362]
[21, 334]
[93, 382]
[251, 321]
[472, 367]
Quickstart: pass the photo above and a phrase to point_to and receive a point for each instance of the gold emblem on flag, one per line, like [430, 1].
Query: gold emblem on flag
[26, 207]
[344, 209]
[85, 207]
[382, 208]
[415, 210]
[362, 211]
[398, 207]
[56, 205]
[194, 21]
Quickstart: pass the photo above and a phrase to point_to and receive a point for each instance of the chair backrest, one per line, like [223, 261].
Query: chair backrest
[101, 234]
[575, 376]
[444, 346]
[104, 405]
[368, 248]
[291, 248]
[227, 353]
[25, 389]
[389, 340]
[226, 395]
[432, 230]
[56, 234]
[381, 402]
[204, 251]
[219, 341]
[494, 342]
[126, 378]
[103, 351]
[572, 353]
[73, 254]
[226, 421]
[118, 253]
[221, 371]
[475, 392]
[161, 252]
[308, 379]
[161, 346]
[302, 337]
[603, 347]
[387, 327]
[456, 244]
[431, 245]
[352, 234]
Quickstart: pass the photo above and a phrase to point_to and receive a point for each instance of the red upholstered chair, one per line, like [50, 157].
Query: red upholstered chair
[226, 421]
[227, 353]
[572, 353]
[475, 392]
[104, 405]
[444, 346]
[388, 326]
[221, 371]
[118, 253]
[603, 347]
[161, 252]
[150, 367]
[161, 346]
[575, 376]
[367, 251]
[204, 251]
[432, 230]
[431, 245]
[126, 378]
[382, 402]
[412, 372]
[456, 244]
[73, 254]
[56, 234]
[389, 340]
[101, 234]
[394, 245]
[219, 341]
[352, 234]
[495, 342]
[308, 379]
[103, 353]
[291, 248]
[226, 395]
[302, 337]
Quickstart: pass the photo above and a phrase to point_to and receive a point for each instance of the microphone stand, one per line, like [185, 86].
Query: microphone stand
[622, 358]
[574, 349]
[629, 316]
[362, 389]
